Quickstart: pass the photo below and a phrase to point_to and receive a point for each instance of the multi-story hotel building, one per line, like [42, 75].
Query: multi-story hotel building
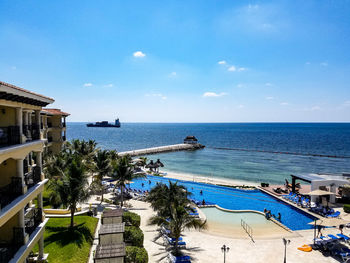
[53, 124]
[22, 143]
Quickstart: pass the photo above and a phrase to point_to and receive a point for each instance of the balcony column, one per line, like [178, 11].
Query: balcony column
[19, 122]
[40, 164]
[41, 247]
[21, 224]
[20, 174]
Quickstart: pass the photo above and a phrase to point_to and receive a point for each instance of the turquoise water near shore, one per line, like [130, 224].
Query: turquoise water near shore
[309, 138]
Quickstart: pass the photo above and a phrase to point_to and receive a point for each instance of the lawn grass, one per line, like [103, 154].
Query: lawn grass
[69, 245]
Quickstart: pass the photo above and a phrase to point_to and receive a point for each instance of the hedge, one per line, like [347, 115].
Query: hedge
[347, 208]
[131, 219]
[136, 255]
[134, 236]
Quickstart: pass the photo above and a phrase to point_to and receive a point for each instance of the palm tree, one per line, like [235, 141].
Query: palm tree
[72, 188]
[162, 195]
[123, 172]
[143, 161]
[102, 167]
[177, 223]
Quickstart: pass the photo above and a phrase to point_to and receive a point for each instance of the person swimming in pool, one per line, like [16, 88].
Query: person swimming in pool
[149, 182]
[201, 192]
[142, 184]
[278, 217]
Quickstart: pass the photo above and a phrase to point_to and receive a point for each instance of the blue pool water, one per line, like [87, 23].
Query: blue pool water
[236, 199]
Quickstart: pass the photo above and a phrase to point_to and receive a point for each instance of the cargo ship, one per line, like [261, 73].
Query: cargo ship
[105, 124]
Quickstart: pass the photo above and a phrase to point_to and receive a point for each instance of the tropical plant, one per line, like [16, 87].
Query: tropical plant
[162, 195]
[123, 172]
[102, 168]
[179, 220]
[143, 161]
[172, 204]
[72, 188]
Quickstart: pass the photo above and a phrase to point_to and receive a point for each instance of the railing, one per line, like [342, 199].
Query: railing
[247, 229]
[63, 124]
[9, 135]
[32, 132]
[32, 220]
[49, 139]
[64, 138]
[49, 125]
[33, 177]
[10, 192]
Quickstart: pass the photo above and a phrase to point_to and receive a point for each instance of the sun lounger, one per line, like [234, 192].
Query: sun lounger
[286, 196]
[346, 238]
[182, 259]
[170, 241]
[333, 237]
[335, 214]
[343, 255]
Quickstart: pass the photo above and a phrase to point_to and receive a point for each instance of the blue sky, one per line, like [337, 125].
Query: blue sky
[182, 61]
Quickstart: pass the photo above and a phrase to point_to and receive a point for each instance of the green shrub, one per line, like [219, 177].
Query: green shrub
[347, 208]
[131, 219]
[134, 236]
[136, 255]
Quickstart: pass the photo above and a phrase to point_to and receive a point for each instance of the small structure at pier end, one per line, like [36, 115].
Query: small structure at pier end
[190, 140]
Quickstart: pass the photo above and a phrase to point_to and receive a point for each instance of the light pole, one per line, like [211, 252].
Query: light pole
[225, 249]
[285, 242]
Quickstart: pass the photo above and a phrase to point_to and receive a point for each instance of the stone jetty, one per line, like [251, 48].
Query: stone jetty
[162, 149]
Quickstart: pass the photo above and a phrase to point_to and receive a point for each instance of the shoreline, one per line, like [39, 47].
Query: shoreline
[208, 180]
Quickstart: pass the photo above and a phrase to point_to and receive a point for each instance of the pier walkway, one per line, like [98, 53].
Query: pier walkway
[162, 149]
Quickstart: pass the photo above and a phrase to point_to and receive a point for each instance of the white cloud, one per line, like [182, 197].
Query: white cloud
[231, 68]
[314, 108]
[88, 84]
[270, 98]
[347, 103]
[213, 94]
[284, 103]
[253, 6]
[222, 62]
[159, 95]
[324, 64]
[139, 54]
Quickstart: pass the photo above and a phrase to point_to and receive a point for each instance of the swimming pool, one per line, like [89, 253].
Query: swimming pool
[236, 199]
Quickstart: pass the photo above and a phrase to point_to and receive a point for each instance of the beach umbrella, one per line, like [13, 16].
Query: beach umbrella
[320, 192]
[158, 162]
[150, 164]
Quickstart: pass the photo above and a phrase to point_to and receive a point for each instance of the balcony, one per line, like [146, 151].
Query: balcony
[10, 192]
[32, 219]
[9, 135]
[49, 139]
[32, 177]
[63, 124]
[49, 125]
[64, 138]
[9, 248]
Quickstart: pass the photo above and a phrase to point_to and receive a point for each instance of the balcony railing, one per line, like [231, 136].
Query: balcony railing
[63, 124]
[49, 125]
[32, 132]
[10, 192]
[64, 138]
[32, 220]
[33, 177]
[9, 135]
[49, 139]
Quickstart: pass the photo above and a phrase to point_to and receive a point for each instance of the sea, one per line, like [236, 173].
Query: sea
[249, 152]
